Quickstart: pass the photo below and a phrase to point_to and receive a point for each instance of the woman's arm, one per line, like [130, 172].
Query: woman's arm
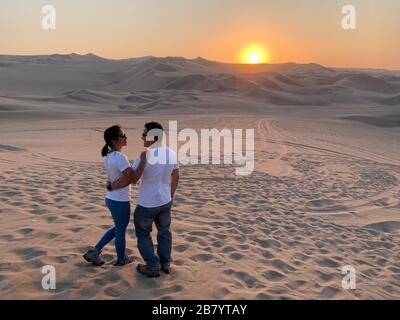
[136, 174]
[129, 175]
[124, 181]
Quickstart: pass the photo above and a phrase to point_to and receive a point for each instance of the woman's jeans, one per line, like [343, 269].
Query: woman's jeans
[121, 212]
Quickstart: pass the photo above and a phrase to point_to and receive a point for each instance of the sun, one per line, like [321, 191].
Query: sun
[255, 54]
[254, 58]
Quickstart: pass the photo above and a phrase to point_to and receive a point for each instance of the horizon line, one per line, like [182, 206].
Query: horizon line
[198, 57]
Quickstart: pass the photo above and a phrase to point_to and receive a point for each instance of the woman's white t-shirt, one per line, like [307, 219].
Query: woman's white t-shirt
[115, 163]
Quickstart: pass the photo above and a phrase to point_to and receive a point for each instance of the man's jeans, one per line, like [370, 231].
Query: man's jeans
[144, 218]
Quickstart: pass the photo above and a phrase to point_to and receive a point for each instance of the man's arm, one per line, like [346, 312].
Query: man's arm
[129, 175]
[174, 181]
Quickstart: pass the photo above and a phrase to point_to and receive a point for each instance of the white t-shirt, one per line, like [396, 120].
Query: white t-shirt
[155, 183]
[115, 163]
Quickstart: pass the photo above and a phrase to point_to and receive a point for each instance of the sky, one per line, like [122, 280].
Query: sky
[302, 31]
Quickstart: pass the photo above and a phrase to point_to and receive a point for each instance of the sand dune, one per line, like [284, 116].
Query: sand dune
[385, 121]
[325, 192]
[277, 234]
[392, 101]
[309, 84]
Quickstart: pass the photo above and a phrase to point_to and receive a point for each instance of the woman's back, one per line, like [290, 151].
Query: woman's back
[115, 163]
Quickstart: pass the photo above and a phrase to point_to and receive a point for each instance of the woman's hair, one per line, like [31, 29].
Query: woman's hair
[110, 134]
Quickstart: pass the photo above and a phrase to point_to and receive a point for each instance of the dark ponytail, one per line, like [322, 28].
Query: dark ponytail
[110, 134]
[105, 150]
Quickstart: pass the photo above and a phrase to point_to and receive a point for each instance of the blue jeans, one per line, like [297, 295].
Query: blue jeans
[144, 218]
[121, 212]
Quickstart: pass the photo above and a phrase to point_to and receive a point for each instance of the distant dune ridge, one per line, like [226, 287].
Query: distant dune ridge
[92, 79]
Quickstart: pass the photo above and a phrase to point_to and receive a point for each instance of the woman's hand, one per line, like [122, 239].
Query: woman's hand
[143, 156]
[108, 186]
[139, 170]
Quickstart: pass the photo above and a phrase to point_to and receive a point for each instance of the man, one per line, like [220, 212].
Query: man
[157, 187]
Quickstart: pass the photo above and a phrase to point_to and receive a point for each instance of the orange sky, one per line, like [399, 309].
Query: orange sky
[300, 31]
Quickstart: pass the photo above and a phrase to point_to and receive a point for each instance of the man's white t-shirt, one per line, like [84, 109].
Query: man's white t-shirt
[115, 163]
[155, 183]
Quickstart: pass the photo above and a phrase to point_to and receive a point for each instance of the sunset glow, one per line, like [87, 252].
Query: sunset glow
[254, 55]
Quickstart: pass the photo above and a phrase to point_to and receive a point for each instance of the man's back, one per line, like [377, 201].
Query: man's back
[155, 184]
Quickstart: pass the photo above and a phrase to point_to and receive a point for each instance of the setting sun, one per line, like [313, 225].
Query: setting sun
[254, 55]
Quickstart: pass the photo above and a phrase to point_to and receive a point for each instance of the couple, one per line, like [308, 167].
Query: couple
[158, 182]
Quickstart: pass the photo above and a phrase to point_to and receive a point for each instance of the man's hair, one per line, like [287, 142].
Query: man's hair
[154, 125]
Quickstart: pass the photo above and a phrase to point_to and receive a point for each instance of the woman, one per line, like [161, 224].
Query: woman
[117, 201]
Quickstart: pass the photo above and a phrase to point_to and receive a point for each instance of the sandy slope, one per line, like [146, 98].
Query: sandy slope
[317, 202]
[325, 192]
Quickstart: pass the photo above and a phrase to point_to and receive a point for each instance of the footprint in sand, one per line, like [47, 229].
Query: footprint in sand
[236, 256]
[117, 290]
[264, 296]
[29, 253]
[51, 219]
[330, 292]
[181, 247]
[281, 265]
[169, 290]
[202, 257]
[26, 231]
[326, 262]
[268, 243]
[217, 244]
[62, 259]
[273, 275]
[38, 211]
[325, 205]
[76, 229]
[74, 217]
[325, 277]
[249, 280]
[7, 237]
[228, 249]
[297, 284]
[221, 293]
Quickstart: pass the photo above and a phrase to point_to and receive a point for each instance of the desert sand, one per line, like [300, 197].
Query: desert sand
[325, 192]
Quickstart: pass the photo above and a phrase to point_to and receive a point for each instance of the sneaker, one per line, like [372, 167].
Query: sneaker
[93, 256]
[145, 269]
[127, 260]
[166, 270]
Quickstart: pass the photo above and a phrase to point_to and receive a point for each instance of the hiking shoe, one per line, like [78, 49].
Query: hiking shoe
[145, 269]
[127, 260]
[93, 256]
[166, 270]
